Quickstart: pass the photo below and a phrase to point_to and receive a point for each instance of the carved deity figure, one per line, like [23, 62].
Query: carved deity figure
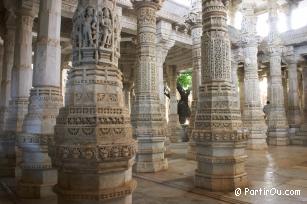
[77, 30]
[105, 25]
[117, 34]
[87, 28]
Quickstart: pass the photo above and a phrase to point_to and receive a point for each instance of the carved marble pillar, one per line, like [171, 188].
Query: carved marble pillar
[252, 115]
[1, 60]
[294, 112]
[93, 147]
[174, 125]
[218, 131]
[285, 89]
[7, 141]
[300, 137]
[164, 44]
[22, 71]
[8, 61]
[37, 175]
[19, 84]
[147, 117]
[127, 86]
[241, 89]
[235, 79]
[277, 120]
[195, 21]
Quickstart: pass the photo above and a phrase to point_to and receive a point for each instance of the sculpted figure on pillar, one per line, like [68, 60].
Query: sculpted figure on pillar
[194, 19]
[93, 147]
[147, 117]
[220, 138]
[277, 120]
[253, 117]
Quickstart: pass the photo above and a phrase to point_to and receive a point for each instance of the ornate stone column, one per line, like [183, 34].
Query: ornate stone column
[127, 86]
[294, 112]
[300, 137]
[8, 60]
[93, 147]
[21, 79]
[235, 79]
[218, 132]
[22, 70]
[1, 59]
[277, 121]
[241, 89]
[285, 89]
[147, 117]
[252, 115]
[7, 141]
[37, 175]
[165, 42]
[194, 19]
[176, 133]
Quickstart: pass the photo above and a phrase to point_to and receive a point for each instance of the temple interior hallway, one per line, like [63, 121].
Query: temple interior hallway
[283, 168]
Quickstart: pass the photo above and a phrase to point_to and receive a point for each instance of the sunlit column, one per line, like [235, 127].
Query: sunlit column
[277, 122]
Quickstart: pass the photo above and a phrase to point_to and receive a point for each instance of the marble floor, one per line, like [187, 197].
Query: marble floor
[278, 168]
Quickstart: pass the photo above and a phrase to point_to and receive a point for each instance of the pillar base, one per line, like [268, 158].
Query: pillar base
[191, 152]
[220, 183]
[257, 144]
[278, 141]
[37, 183]
[300, 138]
[151, 166]
[176, 135]
[120, 195]
[125, 200]
[7, 154]
[168, 150]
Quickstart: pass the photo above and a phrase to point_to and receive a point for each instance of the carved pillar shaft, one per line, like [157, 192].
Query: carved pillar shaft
[218, 132]
[37, 175]
[21, 72]
[7, 141]
[285, 89]
[195, 20]
[127, 86]
[252, 115]
[147, 118]
[8, 61]
[1, 62]
[235, 79]
[277, 121]
[176, 133]
[294, 114]
[241, 89]
[93, 147]
[300, 137]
